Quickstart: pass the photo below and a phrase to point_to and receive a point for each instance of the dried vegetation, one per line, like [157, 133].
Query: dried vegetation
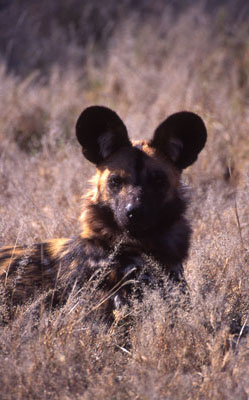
[145, 62]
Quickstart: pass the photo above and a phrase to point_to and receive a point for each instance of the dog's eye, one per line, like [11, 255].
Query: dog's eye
[115, 182]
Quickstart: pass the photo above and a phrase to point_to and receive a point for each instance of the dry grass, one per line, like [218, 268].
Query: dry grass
[144, 65]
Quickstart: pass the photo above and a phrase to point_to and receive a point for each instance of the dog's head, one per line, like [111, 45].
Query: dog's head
[137, 183]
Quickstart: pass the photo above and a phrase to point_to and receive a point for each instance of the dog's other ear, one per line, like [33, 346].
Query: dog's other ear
[180, 137]
[100, 132]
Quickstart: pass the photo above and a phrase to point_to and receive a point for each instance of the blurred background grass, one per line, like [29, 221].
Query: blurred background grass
[145, 60]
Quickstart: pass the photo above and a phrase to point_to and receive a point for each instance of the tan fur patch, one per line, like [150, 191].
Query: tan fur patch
[12, 253]
[56, 247]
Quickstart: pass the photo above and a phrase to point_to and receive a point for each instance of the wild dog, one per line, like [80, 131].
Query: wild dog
[136, 207]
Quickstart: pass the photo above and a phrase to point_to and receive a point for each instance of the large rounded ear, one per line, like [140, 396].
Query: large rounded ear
[180, 137]
[100, 132]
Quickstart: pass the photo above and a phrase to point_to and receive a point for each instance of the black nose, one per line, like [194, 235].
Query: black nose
[132, 211]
